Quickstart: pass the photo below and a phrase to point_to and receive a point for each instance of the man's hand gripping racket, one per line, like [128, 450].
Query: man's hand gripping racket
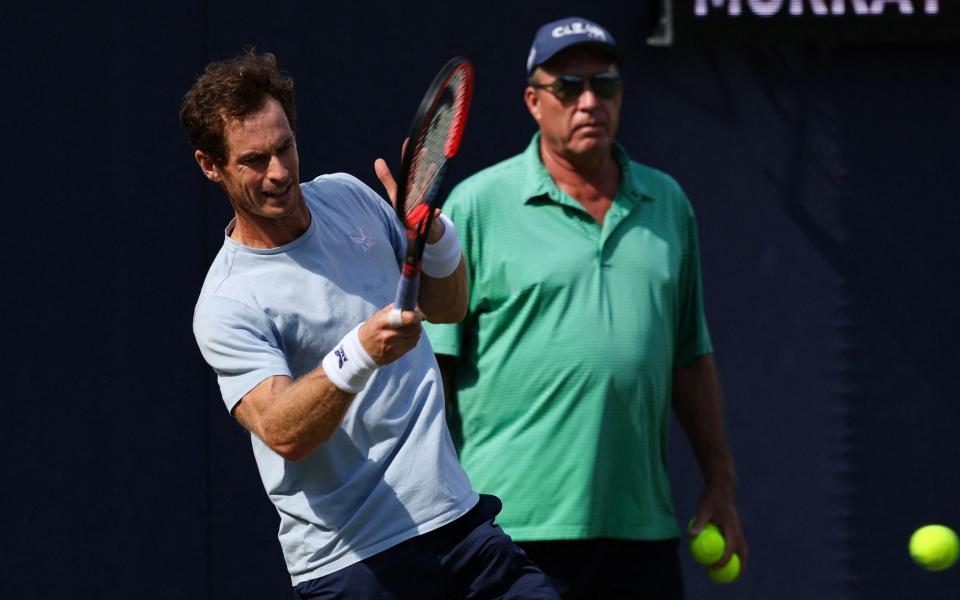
[434, 139]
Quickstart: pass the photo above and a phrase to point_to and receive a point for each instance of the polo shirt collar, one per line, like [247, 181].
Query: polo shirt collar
[539, 182]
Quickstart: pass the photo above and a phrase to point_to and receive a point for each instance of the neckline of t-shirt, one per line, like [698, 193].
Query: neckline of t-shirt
[291, 245]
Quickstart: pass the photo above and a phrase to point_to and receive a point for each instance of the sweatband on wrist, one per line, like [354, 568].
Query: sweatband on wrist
[348, 365]
[441, 259]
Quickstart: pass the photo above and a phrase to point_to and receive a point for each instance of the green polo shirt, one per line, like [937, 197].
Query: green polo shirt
[566, 354]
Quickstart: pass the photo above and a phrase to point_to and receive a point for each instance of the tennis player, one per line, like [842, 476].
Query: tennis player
[585, 325]
[345, 412]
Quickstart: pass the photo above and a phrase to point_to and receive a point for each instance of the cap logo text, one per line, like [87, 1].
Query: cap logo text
[578, 28]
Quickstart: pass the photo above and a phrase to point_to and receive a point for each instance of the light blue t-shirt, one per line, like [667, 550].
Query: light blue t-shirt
[390, 471]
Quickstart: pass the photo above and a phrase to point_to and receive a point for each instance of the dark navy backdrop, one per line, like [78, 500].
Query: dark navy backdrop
[825, 181]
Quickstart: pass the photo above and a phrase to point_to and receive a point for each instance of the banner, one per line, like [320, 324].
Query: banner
[829, 21]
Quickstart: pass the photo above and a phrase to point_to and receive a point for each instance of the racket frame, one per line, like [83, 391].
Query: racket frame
[418, 227]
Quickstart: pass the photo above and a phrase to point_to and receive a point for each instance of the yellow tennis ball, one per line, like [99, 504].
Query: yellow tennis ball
[707, 546]
[934, 547]
[728, 572]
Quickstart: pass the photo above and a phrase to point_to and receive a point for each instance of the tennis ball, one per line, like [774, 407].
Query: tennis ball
[707, 546]
[727, 573]
[934, 547]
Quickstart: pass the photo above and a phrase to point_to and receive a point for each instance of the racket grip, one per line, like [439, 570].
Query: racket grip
[407, 291]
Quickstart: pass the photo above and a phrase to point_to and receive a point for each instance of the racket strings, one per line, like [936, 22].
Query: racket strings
[462, 89]
[430, 154]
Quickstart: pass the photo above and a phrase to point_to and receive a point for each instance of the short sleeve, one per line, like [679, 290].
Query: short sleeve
[240, 344]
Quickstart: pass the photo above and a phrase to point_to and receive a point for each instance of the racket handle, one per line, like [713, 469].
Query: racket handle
[407, 291]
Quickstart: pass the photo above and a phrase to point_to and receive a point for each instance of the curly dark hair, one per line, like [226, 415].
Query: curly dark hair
[233, 89]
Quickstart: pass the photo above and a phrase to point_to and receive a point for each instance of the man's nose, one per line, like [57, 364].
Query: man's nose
[277, 171]
[587, 98]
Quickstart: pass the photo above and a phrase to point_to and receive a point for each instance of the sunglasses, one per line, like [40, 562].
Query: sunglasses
[569, 87]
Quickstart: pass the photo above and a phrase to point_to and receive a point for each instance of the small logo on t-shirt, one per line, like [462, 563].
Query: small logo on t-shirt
[341, 356]
[362, 239]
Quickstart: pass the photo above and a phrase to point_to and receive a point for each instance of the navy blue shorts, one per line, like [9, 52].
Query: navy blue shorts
[468, 558]
[610, 569]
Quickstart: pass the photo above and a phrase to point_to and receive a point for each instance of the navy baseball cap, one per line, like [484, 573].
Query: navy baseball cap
[572, 31]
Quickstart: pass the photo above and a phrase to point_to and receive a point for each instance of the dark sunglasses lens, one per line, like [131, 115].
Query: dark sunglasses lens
[569, 88]
[605, 86]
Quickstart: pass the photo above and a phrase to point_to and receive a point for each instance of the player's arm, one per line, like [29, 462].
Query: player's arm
[443, 299]
[698, 404]
[294, 418]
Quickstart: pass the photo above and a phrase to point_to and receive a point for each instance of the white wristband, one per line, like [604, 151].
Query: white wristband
[441, 259]
[348, 365]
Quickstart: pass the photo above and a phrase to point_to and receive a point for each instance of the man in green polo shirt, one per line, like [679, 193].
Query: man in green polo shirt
[585, 327]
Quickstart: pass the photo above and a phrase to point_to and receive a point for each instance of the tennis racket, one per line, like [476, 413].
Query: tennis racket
[434, 139]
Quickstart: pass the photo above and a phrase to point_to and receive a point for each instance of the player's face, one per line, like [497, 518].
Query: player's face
[585, 124]
[262, 170]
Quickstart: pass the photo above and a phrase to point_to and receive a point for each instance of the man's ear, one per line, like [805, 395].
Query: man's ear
[532, 101]
[208, 166]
